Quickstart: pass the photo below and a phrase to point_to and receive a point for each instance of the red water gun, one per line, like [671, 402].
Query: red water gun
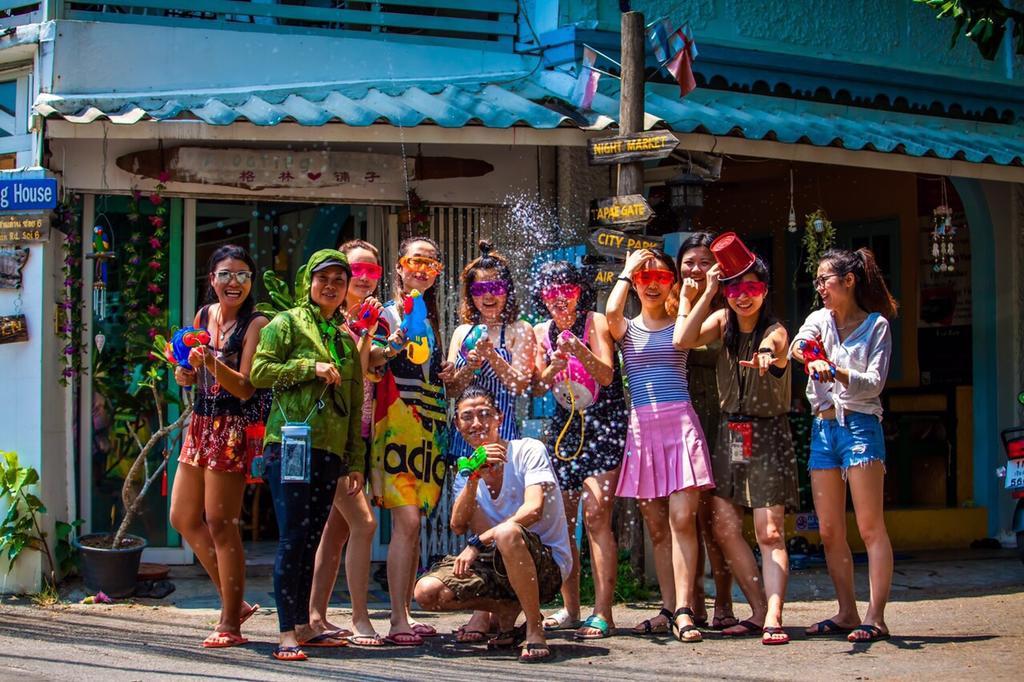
[813, 350]
[365, 319]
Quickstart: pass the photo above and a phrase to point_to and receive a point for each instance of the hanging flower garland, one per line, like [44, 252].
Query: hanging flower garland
[144, 276]
[819, 237]
[66, 218]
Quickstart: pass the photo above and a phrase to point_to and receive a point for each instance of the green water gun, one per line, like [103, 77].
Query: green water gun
[474, 463]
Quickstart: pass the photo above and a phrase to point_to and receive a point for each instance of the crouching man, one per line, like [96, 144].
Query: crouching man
[518, 550]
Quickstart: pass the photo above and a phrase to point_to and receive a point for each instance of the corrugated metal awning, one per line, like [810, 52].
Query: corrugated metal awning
[540, 100]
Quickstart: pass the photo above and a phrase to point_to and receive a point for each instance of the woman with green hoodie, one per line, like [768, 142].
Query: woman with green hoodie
[311, 366]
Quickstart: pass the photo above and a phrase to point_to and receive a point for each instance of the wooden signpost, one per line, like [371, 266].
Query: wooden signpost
[621, 210]
[25, 228]
[631, 148]
[615, 244]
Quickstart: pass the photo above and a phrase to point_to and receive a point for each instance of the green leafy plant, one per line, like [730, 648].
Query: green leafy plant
[20, 528]
[64, 552]
[983, 21]
[819, 237]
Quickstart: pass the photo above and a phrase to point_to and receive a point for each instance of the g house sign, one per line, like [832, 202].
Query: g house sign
[28, 194]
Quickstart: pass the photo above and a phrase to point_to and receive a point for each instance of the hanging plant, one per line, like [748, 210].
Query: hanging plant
[66, 218]
[415, 217]
[819, 237]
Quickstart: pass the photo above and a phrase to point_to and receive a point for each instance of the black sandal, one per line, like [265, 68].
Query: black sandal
[649, 628]
[680, 631]
[527, 655]
[507, 639]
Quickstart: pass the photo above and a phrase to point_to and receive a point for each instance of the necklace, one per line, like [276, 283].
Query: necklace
[223, 331]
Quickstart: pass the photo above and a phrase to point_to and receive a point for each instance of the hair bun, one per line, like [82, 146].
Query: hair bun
[485, 247]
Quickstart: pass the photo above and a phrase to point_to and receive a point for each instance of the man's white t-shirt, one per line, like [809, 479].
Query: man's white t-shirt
[527, 464]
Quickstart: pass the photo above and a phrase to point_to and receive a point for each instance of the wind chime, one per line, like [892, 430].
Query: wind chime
[943, 231]
[101, 253]
[791, 225]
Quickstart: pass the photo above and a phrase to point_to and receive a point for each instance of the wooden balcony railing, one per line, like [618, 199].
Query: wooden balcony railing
[14, 13]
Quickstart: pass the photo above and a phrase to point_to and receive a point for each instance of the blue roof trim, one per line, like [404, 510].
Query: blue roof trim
[540, 100]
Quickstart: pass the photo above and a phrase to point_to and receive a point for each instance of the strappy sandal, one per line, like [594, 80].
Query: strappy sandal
[528, 655]
[561, 620]
[875, 634]
[594, 622]
[827, 628]
[650, 629]
[680, 631]
[507, 639]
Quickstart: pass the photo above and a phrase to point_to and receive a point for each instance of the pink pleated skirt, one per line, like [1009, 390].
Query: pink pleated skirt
[665, 451]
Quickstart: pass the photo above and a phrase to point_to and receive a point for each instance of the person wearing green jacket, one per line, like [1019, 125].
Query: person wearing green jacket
[310, 363]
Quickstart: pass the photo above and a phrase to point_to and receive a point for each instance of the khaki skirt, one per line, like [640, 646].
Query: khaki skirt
[768, 477]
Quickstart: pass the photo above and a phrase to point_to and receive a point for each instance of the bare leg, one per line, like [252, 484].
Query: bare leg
[723, 616]
[728, 527]
[829, 490]
[403, 555]
[598, 502]
[769, 526]
[866, 489]
[522, 576]
[328, 560]
[223, 497]
[187, 517]
[363, 526]
[683, 522]
[571, 585]
[655, 513]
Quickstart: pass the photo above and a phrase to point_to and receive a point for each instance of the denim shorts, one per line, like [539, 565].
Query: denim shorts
[835, 446]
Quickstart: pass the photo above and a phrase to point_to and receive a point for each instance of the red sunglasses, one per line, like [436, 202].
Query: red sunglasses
[749, 288]
[646, 277]
[566, 291]
[366, 270]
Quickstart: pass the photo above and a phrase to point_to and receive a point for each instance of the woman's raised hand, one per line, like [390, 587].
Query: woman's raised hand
[634, 260]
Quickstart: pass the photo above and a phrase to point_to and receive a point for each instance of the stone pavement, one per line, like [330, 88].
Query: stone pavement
[952, 615]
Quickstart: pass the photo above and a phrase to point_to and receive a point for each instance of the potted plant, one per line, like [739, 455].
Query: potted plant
[110, 561]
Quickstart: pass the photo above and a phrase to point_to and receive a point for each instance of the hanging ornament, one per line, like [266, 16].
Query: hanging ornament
[101, 253]
[943, 256]
[100, 340]
[792, 210]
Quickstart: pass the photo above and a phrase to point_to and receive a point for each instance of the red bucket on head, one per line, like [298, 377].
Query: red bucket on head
[732, 255]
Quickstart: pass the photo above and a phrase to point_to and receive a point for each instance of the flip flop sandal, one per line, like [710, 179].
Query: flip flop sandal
[719, 622]
[650, 629]
[404, 639]
[249, 614]
[365, 640]
[222, 640]
[527, 656]
[339, 633]
[464, 636]
[827, 628]
[875, 634]
[561, 620]
[424, 630]
[776, 635]
[680, 631]
[594, 622]
[749, 628]
[289, 653]
[325, 640]
[509, 639]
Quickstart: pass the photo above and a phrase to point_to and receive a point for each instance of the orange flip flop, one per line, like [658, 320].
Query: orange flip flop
[222, 640]
[289, 653]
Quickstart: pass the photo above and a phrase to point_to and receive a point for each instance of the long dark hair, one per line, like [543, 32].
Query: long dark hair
[869, 290]
[562, 272]
[489, 259]
[765, 318]
[238, 253]
[430, 295]
[697, 240]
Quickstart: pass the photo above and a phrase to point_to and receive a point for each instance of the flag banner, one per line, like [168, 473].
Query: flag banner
[586, 81]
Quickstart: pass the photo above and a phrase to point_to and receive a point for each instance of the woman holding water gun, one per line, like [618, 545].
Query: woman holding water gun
[313, 438]
[206, 500]
[410, 418]
[351, 524]
[845, 348]
[754, 462]
[586, 448]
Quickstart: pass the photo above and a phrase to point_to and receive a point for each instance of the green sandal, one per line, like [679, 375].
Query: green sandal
[594, 622]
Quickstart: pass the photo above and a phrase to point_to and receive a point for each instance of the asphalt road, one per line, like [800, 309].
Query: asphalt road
[958, 619]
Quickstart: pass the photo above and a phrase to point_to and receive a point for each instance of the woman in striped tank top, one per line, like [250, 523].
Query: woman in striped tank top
[667, 462]
[501, 361]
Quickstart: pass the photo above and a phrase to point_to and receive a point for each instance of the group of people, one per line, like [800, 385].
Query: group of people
[688, 415]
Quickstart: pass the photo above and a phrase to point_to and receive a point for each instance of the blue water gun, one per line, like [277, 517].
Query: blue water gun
[475, 335]
[181, 344]
[419, 336]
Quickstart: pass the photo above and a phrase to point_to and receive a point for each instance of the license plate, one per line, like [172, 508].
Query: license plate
[1015, 474]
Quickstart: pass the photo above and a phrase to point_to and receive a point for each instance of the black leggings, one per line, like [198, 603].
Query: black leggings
[302, 510]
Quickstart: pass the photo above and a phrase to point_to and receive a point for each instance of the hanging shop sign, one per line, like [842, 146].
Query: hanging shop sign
[24, 228]
[258, 169]
[620, 210]
[28, 194]
[656, 144]
[12, 262]
[615, 244]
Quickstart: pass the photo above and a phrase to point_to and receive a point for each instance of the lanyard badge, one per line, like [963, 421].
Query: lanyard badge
[296, 441]
[741, 441]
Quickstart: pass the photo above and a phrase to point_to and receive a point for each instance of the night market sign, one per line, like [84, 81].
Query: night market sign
[630, 148]
[620, 210]
[615, 244]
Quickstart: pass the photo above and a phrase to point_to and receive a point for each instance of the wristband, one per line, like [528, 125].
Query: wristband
[476, 543]
[766, 350]
[627, 280]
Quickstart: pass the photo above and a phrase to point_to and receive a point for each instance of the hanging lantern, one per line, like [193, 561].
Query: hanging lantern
[686, 197]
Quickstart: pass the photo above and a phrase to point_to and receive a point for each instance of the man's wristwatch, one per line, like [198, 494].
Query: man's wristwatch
[475, 542]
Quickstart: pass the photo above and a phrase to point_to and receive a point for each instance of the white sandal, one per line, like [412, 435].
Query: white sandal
[561, 620]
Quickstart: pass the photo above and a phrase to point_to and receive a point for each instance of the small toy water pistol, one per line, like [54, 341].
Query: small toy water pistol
[813, 350]
[468, 466]
[475, 335]
[419, 336]
[365, 319]
[184, 340]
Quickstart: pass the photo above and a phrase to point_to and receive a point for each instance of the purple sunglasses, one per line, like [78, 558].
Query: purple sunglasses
[498, 287]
